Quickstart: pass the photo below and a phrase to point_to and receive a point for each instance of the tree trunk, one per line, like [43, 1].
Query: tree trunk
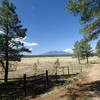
[6, 55]
[78, 59]
[7, 62]
[87, 59]
[56, 73]
[6, 71]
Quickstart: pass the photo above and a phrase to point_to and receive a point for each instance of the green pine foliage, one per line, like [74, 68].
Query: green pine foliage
[89, 12]
[98, 49]
[11, 48]
[82, 50]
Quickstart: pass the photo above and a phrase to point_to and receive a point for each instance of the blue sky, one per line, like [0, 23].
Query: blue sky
[49, 26]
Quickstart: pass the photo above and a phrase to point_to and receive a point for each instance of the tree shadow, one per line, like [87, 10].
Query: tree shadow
[91, 89]
[14, 89]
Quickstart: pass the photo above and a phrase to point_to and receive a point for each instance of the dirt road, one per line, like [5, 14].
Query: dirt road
[94, 74]
[89, 87]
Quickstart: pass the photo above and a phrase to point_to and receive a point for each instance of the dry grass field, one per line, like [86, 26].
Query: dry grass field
[59, 81]
[26, 66]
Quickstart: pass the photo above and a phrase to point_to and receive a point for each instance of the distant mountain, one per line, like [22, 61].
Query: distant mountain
[57, 53]
[51, 54]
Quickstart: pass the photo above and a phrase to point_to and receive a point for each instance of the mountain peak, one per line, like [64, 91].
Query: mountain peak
[57, 53]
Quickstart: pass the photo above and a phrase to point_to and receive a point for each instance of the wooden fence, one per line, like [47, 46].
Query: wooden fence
[28, 81]
[24, 86]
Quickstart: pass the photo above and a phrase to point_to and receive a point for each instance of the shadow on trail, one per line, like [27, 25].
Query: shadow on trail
[14, 89]
[91, 89]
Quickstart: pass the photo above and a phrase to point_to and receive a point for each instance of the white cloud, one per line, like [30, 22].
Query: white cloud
[94, 50]
[30, 49]
[1, 32]
[22, 40]
[68, 50]
[29, 44]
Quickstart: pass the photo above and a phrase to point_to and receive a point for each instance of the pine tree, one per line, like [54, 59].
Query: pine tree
[89, 13]
[11, 47]
[98, 49]
[86, 51]
[82, 50]
[77, 51]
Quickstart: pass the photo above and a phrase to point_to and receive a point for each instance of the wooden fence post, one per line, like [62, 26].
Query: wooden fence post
[68, 70]
[81, 69]
[63, 70]
[25, 92]
[56, 74]
[47, 80]
[72, 70]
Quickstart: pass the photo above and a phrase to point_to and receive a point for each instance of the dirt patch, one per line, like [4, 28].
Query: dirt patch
[53, 96]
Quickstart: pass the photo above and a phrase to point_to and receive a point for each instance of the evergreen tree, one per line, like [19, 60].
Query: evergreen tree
[82, 50]
[89, 12]
[98, 49]
[77, 51]
[86, 50]
[11, 47]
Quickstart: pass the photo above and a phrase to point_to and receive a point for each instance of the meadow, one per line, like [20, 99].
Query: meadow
[66, 72]
[26, 66]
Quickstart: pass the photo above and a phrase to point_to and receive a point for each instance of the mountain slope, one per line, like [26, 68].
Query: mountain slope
[57, 53]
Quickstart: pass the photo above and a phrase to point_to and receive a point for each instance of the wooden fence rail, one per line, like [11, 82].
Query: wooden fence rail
[25, 79]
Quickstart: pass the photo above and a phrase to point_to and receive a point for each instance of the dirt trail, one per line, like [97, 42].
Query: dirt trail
[94, 74]
[90, 87]
[55, 96]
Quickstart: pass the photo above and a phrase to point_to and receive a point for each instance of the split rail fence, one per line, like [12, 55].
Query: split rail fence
[25, 82]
